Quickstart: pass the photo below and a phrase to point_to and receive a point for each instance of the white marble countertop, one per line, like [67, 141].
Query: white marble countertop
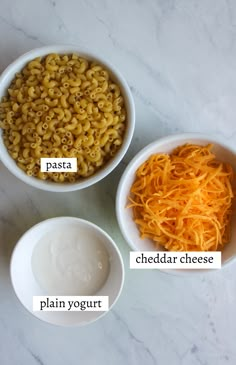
[178, 57]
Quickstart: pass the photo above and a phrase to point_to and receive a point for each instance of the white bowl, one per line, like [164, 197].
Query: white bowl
[26, 285]
[127, 225]
[8, 75]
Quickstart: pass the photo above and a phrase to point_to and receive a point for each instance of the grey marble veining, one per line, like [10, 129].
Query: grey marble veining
[179, 60]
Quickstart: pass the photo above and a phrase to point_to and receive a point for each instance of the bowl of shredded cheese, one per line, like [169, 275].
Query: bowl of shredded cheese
[177, 194]
[60, 103]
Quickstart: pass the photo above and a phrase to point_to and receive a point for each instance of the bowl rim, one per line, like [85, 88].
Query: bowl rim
[76, 220]
[136, 160]
[7, 160]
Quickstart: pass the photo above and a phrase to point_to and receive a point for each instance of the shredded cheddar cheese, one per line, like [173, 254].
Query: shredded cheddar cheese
[183, 201]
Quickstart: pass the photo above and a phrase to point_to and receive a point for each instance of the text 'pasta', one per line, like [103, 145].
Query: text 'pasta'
[58, 164]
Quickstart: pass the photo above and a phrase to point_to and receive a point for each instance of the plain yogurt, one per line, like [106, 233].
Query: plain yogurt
[70, 263]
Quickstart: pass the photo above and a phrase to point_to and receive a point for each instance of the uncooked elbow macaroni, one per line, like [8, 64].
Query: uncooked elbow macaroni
[62, 106]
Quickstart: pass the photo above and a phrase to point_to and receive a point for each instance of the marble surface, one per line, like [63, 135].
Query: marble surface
[178, 57]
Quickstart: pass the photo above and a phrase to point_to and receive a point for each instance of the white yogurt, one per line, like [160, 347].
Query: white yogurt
[70, 263]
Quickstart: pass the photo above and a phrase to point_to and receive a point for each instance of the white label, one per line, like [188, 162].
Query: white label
[47, 303]
[58, 164]
[175, 260]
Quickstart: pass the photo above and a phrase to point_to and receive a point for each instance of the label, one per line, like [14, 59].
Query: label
[70, 303]
[58, 164]
[175, 260]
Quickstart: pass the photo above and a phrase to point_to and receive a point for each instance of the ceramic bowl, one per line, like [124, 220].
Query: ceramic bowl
[127, 225]
[5, 80]
[27, 282]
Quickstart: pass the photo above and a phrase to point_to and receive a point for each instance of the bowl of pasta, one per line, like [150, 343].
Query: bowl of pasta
[177, 194]
[59, 103]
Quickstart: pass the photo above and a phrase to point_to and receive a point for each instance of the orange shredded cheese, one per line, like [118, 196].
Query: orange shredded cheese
[183, 201]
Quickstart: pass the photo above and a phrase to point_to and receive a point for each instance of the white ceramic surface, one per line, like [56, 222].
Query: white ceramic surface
[26, 285]
[178, 58]
[5, 80]
[166, 145]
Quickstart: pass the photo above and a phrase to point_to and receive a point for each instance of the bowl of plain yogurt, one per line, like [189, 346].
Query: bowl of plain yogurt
[71, 259]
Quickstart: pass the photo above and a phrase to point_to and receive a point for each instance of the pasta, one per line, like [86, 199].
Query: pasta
[183, 201]
[63, 106]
